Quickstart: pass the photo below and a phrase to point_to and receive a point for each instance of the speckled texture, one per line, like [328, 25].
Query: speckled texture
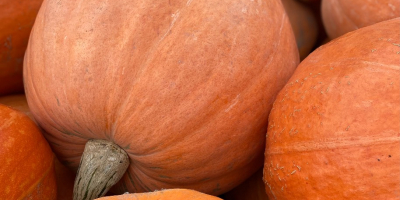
[184, 87]
[334, 130]
[342, 16]
[27, 162]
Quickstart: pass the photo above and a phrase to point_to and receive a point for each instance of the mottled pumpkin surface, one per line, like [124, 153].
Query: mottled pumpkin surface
[27, 162]
[334, 130]
[184, 87]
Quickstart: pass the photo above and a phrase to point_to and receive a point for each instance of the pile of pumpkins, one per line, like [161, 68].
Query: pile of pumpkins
[227, 99]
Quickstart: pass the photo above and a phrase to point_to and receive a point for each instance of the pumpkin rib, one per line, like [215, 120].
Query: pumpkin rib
[342, 143]
[28, 191]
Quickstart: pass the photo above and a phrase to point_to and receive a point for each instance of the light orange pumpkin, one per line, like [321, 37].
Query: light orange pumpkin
[64, 176]
[169, 194]
[304, 26]
[334, 128]
[184, 88]
[17, 18]
[342, 16]
[27, 162]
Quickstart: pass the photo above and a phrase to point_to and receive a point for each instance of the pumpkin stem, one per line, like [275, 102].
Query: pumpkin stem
[102, 165]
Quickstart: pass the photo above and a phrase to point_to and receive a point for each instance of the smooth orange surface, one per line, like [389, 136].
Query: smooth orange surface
[334, 130]
[27, 162]
[64, 176]
[304, 25]
[251, 189]
[342, 16]
[171, 194]
[17, 18]
[184, 87]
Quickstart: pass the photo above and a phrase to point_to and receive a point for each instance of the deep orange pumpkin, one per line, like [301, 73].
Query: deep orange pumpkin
[27, 162]
[171, 194]
[334, 130]
[251, 189]
[304, 26]
[17, 18]
[342, 16]
[64, 176]
[183, 87]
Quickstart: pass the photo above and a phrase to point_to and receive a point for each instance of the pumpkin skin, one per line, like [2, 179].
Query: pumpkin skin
[184, 87]
[342, 16]
[334, 128]
[251, 189]
[27, 170]
[64, 176]
[169, 194]
[304, 26]
[17, 18]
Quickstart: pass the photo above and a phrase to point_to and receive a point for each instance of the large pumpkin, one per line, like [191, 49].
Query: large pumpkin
[169, 194]
[342, 16]
[16, 21]
[304, 25]
[64, 176]
[334, 128]
[27, 162]
[184, 88]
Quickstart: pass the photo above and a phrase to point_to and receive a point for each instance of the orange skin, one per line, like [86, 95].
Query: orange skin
[185, 91]
[27, 170]
[17, 18]
[171, 194]
[333, 131]
[64, 176]
[342, 16]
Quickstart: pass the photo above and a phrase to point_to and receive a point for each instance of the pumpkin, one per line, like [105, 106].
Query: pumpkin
[251, 189]
[334, 128]
[177, 92]
[342, 16]
[27, 162]
[17, 18]
[168, 194]
[64, 176]
[304, 26]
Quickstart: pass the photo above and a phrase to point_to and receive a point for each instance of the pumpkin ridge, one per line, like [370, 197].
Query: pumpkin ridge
[347, 142]
[37, 182]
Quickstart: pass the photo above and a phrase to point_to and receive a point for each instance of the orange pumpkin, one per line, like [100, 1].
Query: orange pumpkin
[64, 176]
[17, 18]
[180, 89]
[334, 128]
[27, 162]
[342, 16]
[251, 189]
[170, 194]
[304, 26]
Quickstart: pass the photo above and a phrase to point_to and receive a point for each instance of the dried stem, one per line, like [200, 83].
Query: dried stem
[103, 164]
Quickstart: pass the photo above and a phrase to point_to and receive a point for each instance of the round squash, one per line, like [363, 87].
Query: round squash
[184, 88]
[342, 16]
[64, 176]
[334, 128]
[251, 189]
[168, 194]
[304, 26]
[17, 18]
[27, 162]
